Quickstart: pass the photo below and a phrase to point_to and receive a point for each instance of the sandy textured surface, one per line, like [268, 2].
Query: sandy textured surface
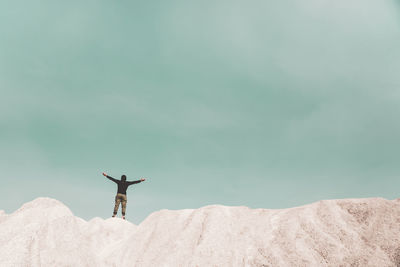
[349, 232]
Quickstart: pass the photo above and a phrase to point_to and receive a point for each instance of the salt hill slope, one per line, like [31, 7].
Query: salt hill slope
[44, 232]
[349, 232]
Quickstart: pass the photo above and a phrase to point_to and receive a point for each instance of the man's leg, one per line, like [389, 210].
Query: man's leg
[117, 201]
[124, 201]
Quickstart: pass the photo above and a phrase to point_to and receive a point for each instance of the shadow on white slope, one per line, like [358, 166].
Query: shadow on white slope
[349, 232]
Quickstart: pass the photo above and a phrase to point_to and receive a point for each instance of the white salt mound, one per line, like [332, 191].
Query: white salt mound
[349, 232]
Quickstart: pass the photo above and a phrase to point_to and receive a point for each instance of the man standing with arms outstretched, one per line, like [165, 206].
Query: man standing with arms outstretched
[121, 194]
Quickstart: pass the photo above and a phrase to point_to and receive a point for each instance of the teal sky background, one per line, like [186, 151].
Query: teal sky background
[267, 104]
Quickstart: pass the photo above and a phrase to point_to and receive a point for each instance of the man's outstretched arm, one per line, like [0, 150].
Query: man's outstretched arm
[136, 182]
[109, 177]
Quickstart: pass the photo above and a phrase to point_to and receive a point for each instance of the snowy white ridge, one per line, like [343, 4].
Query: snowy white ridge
[348, 232]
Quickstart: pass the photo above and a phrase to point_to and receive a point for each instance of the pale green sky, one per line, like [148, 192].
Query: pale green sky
[268, 104]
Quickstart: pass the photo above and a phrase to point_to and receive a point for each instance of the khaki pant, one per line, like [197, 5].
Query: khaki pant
[120, 198]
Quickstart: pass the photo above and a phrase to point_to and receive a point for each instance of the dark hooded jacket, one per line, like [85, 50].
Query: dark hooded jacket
[122, 184]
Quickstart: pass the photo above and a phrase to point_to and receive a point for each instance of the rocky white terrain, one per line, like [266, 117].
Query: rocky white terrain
[349, 232]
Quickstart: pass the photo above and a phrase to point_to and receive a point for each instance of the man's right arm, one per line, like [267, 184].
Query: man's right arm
[109, 177]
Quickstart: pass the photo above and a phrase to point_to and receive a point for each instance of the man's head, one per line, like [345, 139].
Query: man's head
[123, 177]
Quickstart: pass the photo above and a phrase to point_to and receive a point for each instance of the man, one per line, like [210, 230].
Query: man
[121, 193]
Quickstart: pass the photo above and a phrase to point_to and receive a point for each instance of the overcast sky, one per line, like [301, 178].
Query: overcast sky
[267, 104]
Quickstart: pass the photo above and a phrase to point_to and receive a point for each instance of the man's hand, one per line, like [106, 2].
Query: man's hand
[105, 174]
[142, 179]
